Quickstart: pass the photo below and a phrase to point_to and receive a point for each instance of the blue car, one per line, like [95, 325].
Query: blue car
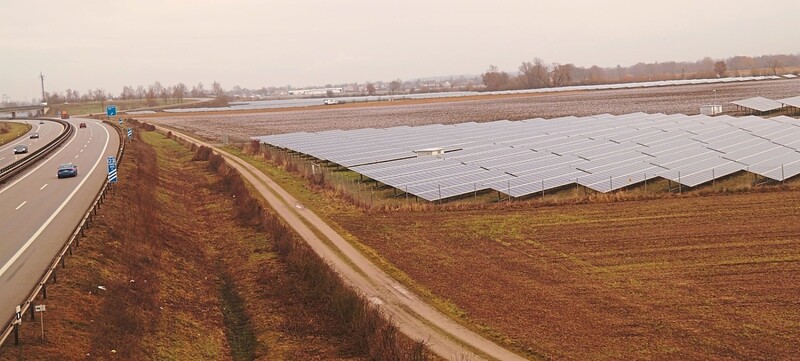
[67, 170]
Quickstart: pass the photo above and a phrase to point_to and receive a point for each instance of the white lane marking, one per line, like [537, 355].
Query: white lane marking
[43, 187]
[81, 151]
[2, 158]
[53, 216]
[21, 204]
[74, 136]
[76, 156]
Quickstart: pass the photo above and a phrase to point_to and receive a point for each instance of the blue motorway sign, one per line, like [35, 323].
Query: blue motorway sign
[111, 110]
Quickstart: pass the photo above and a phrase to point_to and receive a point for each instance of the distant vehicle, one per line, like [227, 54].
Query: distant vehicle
[331, 102]
[64, 114]
[41, 122]
[35, 136]
[82, 125]
[20, 149]
[67, 170]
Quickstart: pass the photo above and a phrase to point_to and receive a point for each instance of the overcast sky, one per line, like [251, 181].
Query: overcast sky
[107, 44]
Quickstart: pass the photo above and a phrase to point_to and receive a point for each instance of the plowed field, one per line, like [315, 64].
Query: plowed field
[699, 278]
[669, 100]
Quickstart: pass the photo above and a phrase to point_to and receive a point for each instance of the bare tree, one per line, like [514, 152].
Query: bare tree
[166, 93]
[395, 85]
[179, 92]
[198, 91]
[217, 89]
[140, 93]
[720, 68]
[561, 75]
[370, 89]
[151, 96]
[494, 79]
[775, 65]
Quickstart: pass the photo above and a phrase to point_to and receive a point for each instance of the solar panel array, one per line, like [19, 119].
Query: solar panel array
[647, 84]
[759, 103]
[792, 102]
[521, 158]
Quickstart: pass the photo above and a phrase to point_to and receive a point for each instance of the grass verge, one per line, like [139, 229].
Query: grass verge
[12, 130]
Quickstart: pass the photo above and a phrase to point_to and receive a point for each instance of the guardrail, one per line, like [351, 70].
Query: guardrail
[15, 168]
[72, 242]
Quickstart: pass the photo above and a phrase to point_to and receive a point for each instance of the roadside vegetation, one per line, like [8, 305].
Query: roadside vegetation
[98, 107]
[12, 130]
[181, 263]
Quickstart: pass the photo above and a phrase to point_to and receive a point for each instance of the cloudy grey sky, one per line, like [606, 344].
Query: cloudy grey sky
[107, 44]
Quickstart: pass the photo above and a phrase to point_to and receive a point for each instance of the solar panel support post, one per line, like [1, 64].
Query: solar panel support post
[440, 193]
[645, 183]
[783, 179]
[475, 187]
[713, 179]
[680, 185]
[508, 186]
[610, 184]
[542, 189]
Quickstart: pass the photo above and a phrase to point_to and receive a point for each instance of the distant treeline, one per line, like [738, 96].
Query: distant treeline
[530, 75]
[538, 74]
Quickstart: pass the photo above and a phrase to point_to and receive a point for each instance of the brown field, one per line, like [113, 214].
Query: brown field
[694, 277]
[687, 278]
[697, 276]
[678, 99]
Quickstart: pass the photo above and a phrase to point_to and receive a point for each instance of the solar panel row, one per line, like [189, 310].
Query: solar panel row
[649, 84]
[520, 158]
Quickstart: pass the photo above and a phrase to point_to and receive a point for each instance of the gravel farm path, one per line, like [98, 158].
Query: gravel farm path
[412, 315]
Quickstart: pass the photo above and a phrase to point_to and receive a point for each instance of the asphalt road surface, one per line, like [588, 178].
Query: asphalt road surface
[38, 211]
[47, 132]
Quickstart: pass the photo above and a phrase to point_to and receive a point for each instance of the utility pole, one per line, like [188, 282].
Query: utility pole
[44, 99]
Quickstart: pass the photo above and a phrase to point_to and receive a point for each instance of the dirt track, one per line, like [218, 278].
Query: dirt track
[413, 316]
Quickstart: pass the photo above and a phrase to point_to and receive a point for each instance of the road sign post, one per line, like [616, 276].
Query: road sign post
[112, 170]
[130, 133]
[120, 121]
[17, 321]
[41, 308]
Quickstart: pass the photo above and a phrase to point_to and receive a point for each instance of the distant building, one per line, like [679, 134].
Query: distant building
[320, 91]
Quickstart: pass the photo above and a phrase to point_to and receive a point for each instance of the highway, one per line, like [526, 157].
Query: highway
[47, 132]
[38, 211]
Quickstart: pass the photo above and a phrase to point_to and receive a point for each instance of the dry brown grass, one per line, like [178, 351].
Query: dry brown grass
[363, 326]
[187, 276]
